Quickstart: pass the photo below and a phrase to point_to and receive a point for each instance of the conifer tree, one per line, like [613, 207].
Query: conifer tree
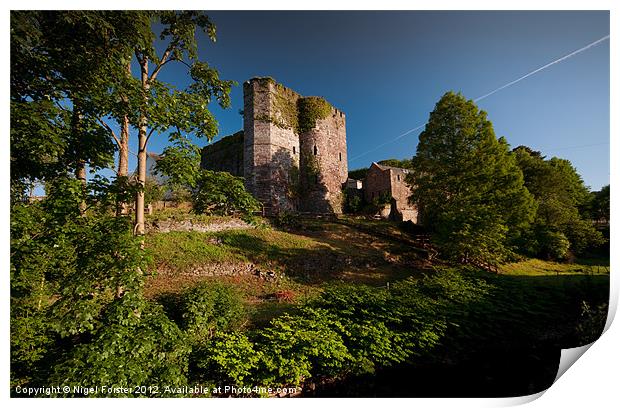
[468, 186]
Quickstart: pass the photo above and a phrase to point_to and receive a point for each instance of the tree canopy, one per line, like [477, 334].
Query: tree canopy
[562, 205]
[468, 186]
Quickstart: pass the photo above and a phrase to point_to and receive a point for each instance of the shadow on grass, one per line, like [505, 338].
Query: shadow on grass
[505, 344]
[333, 260]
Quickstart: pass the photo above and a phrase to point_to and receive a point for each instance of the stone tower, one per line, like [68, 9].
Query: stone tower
[295, 151]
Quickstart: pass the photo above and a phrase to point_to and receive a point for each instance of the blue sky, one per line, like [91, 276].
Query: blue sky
[386, 71]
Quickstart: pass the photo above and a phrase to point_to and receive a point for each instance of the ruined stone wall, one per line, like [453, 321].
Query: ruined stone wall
[324, 163]
[391, 180]
[225, 155]
[400, 193]
[377, 182]
[271, 146]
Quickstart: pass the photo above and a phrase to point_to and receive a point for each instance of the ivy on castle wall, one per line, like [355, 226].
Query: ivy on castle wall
[300, 115]
[286, 107]
[311, 109]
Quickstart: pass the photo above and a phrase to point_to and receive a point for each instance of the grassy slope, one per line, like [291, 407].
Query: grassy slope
[307, 259]
[535, 305]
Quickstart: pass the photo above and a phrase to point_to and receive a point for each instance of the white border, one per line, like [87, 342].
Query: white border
[592, 380]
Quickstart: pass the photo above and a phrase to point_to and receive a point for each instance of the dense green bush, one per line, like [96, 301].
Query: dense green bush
[287, 219]
[297, 347]
[227, 359]
[553, 245]
[221, 193]
[349, 329]
[209, 307]
[137, 346]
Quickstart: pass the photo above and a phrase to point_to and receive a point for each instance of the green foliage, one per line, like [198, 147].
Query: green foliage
[299, 347]
[180, 164]
[403, 164]
[136, 346]
[468, 185]
[352, 202]
[300, 116]
[309, 174]
[208, 308]
[592, 324]
[358, 174]
[284, 105]
[228, 358]
[66, 272]
[221, 193]
[600, 205]
[287, 219]
[553, 245]
[561, 198]
[310, 109]
[153, 192]
[382, 200]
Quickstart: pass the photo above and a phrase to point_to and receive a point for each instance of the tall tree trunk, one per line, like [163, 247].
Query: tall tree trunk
[80, 166]
[139, 229]
[123, 150]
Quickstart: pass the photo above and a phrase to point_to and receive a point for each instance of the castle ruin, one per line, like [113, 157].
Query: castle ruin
[292, 151]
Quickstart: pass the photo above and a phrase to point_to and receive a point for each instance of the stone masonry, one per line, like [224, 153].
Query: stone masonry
[390, 181]
[294, 155]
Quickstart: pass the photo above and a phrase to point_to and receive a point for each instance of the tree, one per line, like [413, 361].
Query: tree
[223, 194]
[403, 164]
[467, 185]
[76, 275]
[162, 106]
[600, 205]
[68, 68]
[562, 205]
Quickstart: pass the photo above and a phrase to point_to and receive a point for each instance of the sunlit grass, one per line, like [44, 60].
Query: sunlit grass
[536, 267]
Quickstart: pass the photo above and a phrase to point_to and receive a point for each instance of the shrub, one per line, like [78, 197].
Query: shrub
[209, 307]
[297, 347]
[287, 219]
[592, 322]
[553, 245]
[227, 358]
[137, 346]
[221, 193]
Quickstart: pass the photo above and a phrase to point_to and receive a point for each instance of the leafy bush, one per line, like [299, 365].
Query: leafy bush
[287, 219]
[227, 358]
[221, 193]
[209, 307]
[152, 191]
[297, 347]
[136, 346]
[553, 245]
[352, 202]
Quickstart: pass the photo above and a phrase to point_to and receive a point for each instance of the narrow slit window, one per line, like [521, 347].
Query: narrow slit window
[340, 156]
[315, 150]
[294, 150]
[398, 177]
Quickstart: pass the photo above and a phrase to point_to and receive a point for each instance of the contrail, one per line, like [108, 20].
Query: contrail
[565, 57]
